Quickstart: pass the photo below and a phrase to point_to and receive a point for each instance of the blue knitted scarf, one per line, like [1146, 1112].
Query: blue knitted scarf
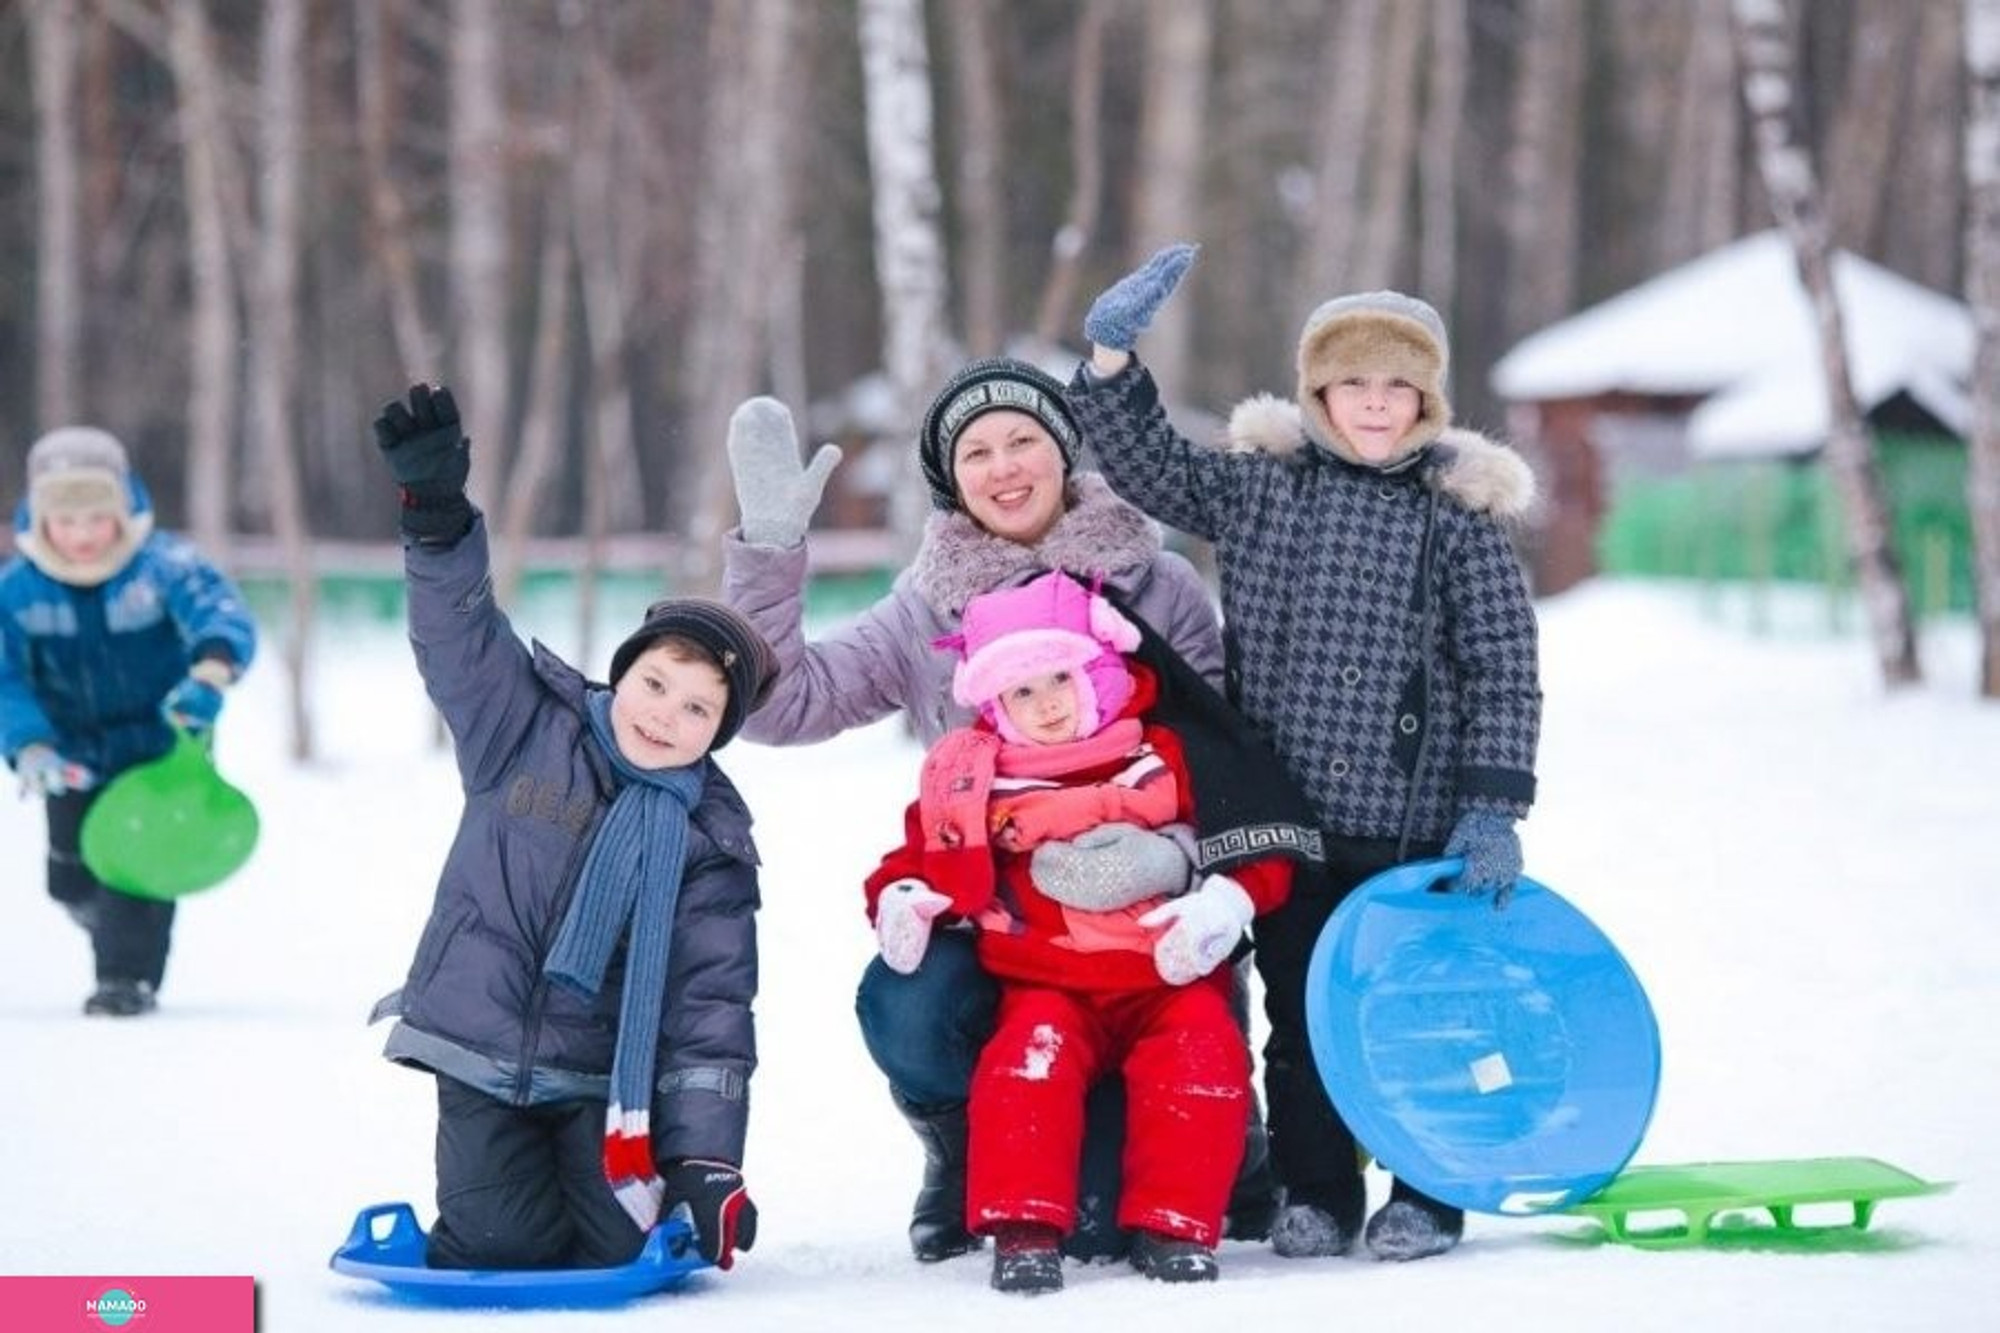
[630, 882]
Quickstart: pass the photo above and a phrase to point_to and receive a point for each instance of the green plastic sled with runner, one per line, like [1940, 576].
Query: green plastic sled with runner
[169, 827]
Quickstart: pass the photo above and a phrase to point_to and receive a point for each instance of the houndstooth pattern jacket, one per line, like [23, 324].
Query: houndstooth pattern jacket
[1329, 649]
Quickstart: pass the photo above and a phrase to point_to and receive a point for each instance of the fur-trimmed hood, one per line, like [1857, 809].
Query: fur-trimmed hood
[1480, 474]
[1097, 534]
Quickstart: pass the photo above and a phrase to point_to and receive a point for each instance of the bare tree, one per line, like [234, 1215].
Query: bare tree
[1054, 311]
[744, 212]
[1765, 53]
[1346, 79]
[1543, 170]
[1869, 120]
[1982, 289]
[479, 234]
[1699, 207]
[389, 231]
[274, 347]
[1172, 137]
[205, 147]
[58, 238]
[1437, 154]
[1385, 219]
[980, 208]
[909, 249]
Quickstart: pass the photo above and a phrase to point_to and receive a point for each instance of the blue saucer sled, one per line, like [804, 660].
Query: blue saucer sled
[1504, 1062]
[386, 1245]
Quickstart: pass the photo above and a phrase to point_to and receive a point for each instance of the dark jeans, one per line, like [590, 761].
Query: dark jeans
[1312, 1148]
[524, 1186]
[128, 935]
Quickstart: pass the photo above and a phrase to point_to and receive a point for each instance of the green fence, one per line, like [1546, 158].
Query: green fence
[1771, 521]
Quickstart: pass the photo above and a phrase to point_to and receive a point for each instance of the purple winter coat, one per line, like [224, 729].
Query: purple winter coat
[882, 661]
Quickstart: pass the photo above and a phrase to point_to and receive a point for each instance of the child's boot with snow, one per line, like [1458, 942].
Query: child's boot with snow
[1027, 1258]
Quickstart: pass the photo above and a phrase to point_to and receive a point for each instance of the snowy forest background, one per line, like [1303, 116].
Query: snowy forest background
[240, 225]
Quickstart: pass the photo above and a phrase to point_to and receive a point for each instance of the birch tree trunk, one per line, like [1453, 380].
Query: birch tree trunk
[1437, 159]
[909, 248]
[981, 209]
[1055, 310]
[214, 333]
[1765, 53]
[1982, 290]
[52, 39]
[548, 389]
[274, 346]
[745, 210]
[479, 237]
[1172, 150]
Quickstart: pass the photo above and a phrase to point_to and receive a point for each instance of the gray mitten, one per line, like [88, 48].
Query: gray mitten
[1127, 307]
[1111, 866]
[774, 494]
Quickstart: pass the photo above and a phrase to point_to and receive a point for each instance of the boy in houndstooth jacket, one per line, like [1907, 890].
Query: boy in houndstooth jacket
[1378, 632]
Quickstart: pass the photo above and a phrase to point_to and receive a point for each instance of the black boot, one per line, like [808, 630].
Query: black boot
[118, 998]
[1027, 1258]
[937, 1220]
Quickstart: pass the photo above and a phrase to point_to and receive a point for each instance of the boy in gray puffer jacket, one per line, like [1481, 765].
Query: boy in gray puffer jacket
[583, 989]
[1378, 632]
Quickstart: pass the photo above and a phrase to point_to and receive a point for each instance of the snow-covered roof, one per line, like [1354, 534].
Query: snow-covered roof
[1734, 327]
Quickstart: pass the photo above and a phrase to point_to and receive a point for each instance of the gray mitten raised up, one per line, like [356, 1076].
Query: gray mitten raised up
[1127, 307]
[775, 495]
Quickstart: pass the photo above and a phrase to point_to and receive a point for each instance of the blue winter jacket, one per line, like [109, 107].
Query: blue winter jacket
[85, 669]
[476, 1005]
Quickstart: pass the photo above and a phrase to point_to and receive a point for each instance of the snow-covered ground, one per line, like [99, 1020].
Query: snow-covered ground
[1803, 871]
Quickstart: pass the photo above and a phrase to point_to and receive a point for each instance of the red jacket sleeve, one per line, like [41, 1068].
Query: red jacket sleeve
[965, 874]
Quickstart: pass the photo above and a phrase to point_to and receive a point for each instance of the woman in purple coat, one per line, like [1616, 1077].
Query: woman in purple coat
[998, 448]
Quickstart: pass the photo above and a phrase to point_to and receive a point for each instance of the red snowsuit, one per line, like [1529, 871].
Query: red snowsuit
[1081, 997]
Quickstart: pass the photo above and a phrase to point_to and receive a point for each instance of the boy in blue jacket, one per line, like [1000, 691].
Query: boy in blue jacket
[582, 992]
[111, 635]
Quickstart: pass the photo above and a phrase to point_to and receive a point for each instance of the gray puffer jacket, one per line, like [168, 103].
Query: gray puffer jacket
[1330, 651]
[882, 661]
[476, 1005]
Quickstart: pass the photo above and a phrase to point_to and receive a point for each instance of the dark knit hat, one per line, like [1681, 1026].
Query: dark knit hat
[999, 383]
[747, 661]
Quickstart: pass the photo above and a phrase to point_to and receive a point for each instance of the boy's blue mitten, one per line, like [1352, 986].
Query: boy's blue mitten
[195, 703]
[718, 1204]
[1127, 306]
[43, 772]
[1492, 852]
[430, 457]
[775, 495]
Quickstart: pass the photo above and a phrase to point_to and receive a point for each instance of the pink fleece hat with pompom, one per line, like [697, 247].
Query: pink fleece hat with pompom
[1051, 623]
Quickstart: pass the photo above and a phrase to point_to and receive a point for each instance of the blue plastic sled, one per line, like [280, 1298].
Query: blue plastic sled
[1505, 1062]
[394, 1256]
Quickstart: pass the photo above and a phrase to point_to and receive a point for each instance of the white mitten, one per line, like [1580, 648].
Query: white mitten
[1201, 929]
[903, 916]
[775, 495]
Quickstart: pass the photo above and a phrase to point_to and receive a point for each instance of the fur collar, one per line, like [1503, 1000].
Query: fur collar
[1098, 534]
[1479, 474]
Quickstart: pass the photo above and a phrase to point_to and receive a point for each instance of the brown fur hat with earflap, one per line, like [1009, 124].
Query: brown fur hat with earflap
[1374, 333]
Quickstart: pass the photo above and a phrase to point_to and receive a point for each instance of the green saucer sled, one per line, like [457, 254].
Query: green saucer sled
[1662, 1207]
[169, 827]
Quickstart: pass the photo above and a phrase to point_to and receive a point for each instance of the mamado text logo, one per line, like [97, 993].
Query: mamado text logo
[115, 1307]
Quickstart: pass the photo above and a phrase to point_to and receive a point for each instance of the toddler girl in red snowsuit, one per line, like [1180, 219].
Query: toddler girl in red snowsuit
[1060, 827]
